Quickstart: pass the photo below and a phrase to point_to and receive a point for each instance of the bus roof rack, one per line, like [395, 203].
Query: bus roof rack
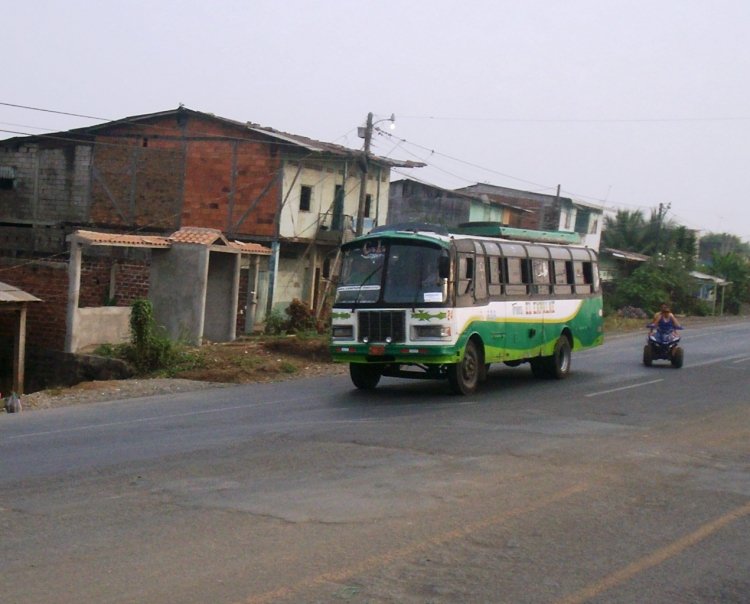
[495, 229]
[413, 227]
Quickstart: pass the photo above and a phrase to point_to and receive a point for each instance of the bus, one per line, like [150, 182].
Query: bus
[418, 301]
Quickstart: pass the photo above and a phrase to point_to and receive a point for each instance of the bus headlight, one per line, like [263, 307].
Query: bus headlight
[342, 332]
[431, 332]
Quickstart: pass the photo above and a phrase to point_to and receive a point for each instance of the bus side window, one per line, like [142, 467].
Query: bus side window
[515, 284]
[465, 281]
[495, 276]
[540, 276]
[584, 277]
[563, 277]
[480, 278]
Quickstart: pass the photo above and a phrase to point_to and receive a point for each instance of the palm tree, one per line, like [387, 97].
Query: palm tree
[626, 231]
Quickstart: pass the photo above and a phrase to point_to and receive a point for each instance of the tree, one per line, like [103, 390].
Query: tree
[629, 231]
[735, 268]
[625, 231]
[721, 244]
[661, 279]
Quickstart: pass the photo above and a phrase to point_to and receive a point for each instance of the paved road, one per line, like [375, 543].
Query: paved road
[620, 484]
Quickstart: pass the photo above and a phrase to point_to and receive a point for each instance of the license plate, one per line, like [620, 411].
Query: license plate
[377, 350]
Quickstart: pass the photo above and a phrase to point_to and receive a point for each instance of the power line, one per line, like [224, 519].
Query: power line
[89, 117]
[576, 120]
[468, 163]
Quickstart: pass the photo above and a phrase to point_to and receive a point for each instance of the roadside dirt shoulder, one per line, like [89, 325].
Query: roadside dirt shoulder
[243, 362]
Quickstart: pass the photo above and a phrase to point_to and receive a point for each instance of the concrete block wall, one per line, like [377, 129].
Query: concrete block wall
[51, 185]
[18, 203]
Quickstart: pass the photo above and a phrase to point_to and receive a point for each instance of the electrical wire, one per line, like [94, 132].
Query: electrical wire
[577, 120]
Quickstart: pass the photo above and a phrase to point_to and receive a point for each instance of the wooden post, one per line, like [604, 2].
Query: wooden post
[20, 351]
[74, 292]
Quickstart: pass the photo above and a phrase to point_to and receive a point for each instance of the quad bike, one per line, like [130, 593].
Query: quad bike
[663, 344]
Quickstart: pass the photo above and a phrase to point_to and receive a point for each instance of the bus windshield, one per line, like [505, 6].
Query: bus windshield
[392, 273]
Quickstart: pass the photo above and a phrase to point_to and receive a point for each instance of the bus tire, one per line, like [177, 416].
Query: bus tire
[364, 377]
[538, 368]
[558, 365]
[464, 376]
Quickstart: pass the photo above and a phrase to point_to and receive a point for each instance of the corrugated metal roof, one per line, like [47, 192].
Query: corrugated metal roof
[9, 293]
[302, 142]
[705, 277]
[632, 256]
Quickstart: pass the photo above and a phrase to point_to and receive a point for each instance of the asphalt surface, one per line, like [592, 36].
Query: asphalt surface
[620, 484]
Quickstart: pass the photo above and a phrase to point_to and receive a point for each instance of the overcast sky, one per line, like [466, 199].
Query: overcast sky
[626, 104]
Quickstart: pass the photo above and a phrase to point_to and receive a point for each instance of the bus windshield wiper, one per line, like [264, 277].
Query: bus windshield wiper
[365, 280]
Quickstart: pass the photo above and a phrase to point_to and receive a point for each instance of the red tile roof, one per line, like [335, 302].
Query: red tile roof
[186, 235]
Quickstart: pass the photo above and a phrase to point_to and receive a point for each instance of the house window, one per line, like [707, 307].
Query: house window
[368, 205]
[7, 178]
[566, 224]
[305, 195]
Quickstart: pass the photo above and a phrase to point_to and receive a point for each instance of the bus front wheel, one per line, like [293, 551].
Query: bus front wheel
[364, 377]
[464, 376]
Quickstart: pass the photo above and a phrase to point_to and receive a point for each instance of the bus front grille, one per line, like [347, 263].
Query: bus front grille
[376, 326]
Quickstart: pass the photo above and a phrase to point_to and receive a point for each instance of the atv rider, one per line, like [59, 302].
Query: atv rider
[665, 322]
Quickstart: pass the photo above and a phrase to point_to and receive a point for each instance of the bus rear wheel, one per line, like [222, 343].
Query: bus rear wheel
[364, 377]
[464, 376]
[555, 366]
[558, 365]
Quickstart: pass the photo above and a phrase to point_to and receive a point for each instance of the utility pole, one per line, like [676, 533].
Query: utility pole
[364, 167]
[663, 209]
[366, 133]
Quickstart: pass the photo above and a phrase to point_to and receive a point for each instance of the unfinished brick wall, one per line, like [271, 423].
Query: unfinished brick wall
[163, 175]
[135, 186]
[46, 320]
[130, 281]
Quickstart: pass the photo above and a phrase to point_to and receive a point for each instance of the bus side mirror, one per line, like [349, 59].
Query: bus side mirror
[444, 267]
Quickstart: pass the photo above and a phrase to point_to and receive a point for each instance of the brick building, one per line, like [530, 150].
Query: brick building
[153, 174]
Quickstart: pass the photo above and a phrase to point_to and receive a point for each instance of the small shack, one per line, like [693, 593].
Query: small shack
[15, 301]
[193, 286]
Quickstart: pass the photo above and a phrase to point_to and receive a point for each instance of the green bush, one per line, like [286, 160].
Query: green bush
[150, 348]
[276, 323]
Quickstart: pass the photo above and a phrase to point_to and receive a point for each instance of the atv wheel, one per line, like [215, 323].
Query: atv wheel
[677, 357]
[648, 355]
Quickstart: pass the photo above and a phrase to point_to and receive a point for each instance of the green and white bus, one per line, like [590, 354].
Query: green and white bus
[417, 301]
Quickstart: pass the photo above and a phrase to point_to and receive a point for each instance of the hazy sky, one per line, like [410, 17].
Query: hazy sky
[627, 104]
